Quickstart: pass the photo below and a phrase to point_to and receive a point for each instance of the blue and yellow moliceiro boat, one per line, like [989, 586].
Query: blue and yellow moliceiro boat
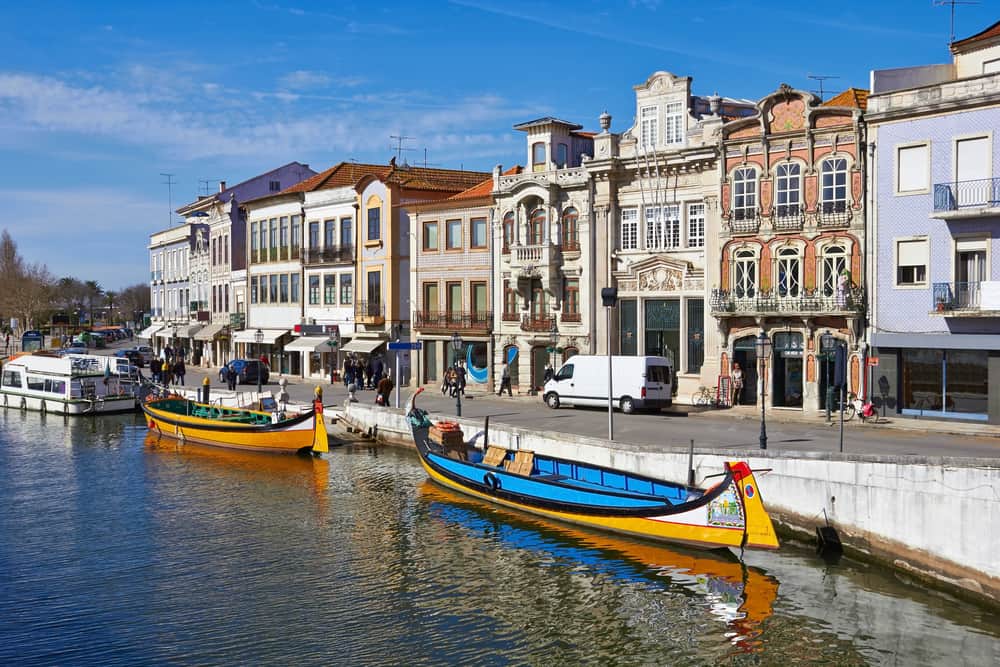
[728, 514]
[237, 428]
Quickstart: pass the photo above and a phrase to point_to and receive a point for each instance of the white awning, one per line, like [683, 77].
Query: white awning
[209, 332]
[148, 332]
[363, 345]
[309, 344]
[250, 335]
[183, 331]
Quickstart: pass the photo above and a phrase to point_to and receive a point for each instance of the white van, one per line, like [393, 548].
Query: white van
[637, 383]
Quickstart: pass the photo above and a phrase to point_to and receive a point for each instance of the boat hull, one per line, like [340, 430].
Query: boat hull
[301, 433]
[73, 407]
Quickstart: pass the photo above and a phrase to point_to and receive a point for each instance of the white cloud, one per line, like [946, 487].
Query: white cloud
[303, 79]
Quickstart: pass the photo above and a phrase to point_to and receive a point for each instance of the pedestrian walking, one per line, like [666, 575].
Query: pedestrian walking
[348, 371]
[737, 381]
[180, 371]
[384, 390]
[548, 373]
[165, 372]
[460, 373]
[231, 377]
[505, 380]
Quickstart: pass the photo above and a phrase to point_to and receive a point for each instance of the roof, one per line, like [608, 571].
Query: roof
[547, 120]
[581, 133]
[852, 97]
[485, 188]
[339, 175]
[221, 196]
[348, 174]
[992, 32]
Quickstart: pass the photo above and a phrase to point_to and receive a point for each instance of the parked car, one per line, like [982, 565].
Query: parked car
[146, 351]
[247, 369]
[135, 356]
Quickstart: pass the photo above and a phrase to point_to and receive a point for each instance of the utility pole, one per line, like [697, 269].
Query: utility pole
[170, 197]
[952, 3]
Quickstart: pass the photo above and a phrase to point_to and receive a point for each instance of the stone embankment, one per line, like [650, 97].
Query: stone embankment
[936, 518]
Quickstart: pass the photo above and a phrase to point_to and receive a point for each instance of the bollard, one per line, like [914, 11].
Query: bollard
[205, 390]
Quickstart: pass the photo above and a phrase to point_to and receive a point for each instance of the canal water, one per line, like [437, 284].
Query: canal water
[119, 549]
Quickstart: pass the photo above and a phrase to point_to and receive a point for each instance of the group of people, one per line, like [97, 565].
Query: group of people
[168, 370]
[453, 382]
[363, 374]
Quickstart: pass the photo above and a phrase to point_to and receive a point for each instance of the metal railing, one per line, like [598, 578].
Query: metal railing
[571, 317]
[744, 221]
[788, 217]
[329, 255]
[956, 296]
[806, 301]
[833, 214]
[450, 320]
[980, 193]
[371, 312]
[537, 323]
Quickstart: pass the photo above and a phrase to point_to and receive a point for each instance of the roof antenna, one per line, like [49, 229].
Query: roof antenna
[952, 3]
[204, 183]
[170, 197]
[399, 145]
[821, 78]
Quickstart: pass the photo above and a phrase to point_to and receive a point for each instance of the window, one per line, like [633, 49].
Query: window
[283, 279]
[562, 155]
[454, 298]
[571, 299]
[431, 303]
[454, 239]
[696, 335]
[263, 240]
[630, 229]
[991, 66]
[296, 236]
[329, 233]
[36, 383]
[253, 242]
[973, 161]
[313, 290]
[283, 227]
[263, 291]
[654, 228]
[565, 373]
[295, 287]
[11, 379]
[346, 233]
[509, 299]
[346, 289]
[745, 193]
[253, 289]
[329, 289]
[788, 189]
[833, 265]
[274, 186]
[274, 288]
[789, 272]
[374, 224]
[539, 302]
[663, 229]
[911, 262]
[314, 235]
[374, 289]
[745, 274]
[834, 188]
[274, 235]
[478, 232]
[538, 156]
[673, 127]
[536, 228]
[696, 226]
[913, 169]
[508, 232]
[570, 229]
[480, 302]
[430, 236]
[647, 127]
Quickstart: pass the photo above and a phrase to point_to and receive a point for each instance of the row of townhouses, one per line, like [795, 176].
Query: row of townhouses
[866, 222]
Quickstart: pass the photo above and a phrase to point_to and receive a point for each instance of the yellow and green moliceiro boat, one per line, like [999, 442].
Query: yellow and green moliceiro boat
[237, 428]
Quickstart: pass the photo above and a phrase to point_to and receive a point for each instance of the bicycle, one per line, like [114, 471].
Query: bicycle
[855, 406]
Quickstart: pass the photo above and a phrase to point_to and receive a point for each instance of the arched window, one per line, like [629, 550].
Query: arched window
[536, 228]
[745, 193]
[508, 352]
[788, 189]
[788, 272]
[508, 233]
[833, 194]
[833, 264]
[570, 234]
[569, 353]
[745, 274]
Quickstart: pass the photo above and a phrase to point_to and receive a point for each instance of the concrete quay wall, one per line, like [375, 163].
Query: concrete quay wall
[934, 517]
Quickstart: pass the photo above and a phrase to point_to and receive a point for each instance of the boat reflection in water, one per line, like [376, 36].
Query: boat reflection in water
[740, 597]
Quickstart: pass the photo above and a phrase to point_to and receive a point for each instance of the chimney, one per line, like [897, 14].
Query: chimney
[222, 186]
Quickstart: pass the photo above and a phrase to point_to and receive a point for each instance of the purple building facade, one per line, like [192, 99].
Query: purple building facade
[934, 235]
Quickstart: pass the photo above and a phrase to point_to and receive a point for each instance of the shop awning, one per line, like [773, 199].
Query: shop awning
[250, 336]
[209, 332]
[183, 331]
[309, 344]
[363, 345]
[148, 332]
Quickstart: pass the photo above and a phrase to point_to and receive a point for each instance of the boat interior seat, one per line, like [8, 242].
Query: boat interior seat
[494, 456]
[522, 464]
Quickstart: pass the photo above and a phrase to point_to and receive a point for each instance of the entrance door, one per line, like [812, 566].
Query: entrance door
[539, 357]
[431, 361]
[745, 354]
[787, 364]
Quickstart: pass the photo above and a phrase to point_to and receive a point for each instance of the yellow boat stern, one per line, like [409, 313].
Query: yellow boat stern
[759, 529]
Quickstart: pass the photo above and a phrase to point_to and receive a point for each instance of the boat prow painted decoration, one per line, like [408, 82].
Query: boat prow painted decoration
[237, 428]
[728, 514]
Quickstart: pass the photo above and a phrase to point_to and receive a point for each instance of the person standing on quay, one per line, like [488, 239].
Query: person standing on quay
[179, 371]
[505, 380]
[384, 390]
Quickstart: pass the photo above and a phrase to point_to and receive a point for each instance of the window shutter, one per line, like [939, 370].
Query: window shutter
[911, 253]
[913, 169]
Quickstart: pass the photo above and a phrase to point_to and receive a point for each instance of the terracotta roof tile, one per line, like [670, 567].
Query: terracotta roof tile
[852, 97]
[992, 31]
[339, 175]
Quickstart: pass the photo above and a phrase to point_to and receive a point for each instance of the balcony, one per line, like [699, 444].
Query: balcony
[369, 312]
[967, 199]
[808, 302]
[788, 218]
[511, 317]
[538, 323]
[971, 299]
[446, 321]
[335, 255]
[744, 221]
[529, 261]
[833, 214]
[571, 317]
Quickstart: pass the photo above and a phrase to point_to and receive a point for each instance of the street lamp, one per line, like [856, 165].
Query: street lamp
[456, 346]
[609, 299]
[554, 339]
[333, 343]
[259, 338]
[173, 341]
[827, 344]
[763, 349]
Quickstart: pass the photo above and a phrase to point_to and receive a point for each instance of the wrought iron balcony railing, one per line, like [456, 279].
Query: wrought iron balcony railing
[335, 255]
[982, 193]
[426, 320]
[834, 214]
[725, 302]
[788, 217]
[538, 323]
[744, 221]
[369, 312]
[951, 297]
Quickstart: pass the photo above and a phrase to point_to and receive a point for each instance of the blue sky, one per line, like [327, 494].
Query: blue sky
[98, 99]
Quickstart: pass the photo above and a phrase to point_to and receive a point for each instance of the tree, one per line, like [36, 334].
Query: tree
[134, 299]
[94, 292]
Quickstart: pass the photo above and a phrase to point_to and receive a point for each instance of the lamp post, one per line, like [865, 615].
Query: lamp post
[827, 343]
[259, 338]
[333, 342]
[763, 349]
[456, 346]
[609, 299]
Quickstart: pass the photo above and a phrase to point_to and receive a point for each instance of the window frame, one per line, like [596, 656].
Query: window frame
[790, 259]
[536, 226]
[830, 266]
[915, 284]
[570, 229]
[745, 257]
[536, 163]
[783, 188]
[314, 289]
[824, 170]
[346, 288]
[449, 226]
[897, 150]
[747, 209]
[695, 225]
[508, 232]
[628, 230]
[374, 223]
[329, 289]
[673, 123]
[425, 237]
[479, 222]
[649, 126]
